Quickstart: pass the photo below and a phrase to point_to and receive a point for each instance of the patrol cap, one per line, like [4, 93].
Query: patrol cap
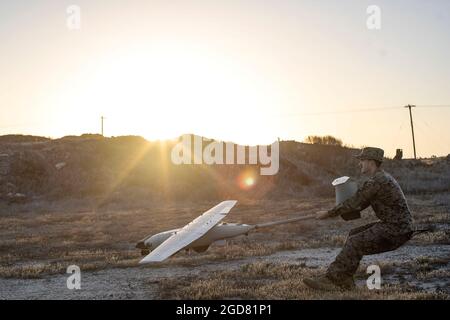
[371, 153]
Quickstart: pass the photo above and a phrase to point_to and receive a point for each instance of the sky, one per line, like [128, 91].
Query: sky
[244, 71]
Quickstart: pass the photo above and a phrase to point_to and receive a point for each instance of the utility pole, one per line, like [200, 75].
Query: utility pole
[412, 128]
[102, 118]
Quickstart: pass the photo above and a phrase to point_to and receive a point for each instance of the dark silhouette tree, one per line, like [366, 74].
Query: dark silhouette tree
[324, 140]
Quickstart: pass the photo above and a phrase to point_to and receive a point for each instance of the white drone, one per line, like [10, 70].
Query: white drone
[199, 234]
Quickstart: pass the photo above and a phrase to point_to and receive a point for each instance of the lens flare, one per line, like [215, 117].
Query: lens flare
[247, 179]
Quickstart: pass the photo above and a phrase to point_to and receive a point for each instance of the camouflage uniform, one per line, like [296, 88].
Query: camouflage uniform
[395, 227]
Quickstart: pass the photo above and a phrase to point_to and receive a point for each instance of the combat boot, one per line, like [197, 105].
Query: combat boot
[347, 283]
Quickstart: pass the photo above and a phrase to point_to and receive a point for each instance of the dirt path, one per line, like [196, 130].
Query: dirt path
[142, 282]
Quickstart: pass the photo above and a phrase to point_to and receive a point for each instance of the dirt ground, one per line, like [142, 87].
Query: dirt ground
[38, 242]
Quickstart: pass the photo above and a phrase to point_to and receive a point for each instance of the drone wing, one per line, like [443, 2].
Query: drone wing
[190, 232]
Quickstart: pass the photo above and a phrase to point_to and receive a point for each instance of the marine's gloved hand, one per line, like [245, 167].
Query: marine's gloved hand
[323, 214]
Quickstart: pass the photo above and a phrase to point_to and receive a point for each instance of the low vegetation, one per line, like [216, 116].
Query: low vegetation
[281, 281]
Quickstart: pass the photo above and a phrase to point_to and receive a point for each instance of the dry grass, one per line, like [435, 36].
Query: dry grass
[87, 260]
[277, 281]
[96, 239]
[36, 244]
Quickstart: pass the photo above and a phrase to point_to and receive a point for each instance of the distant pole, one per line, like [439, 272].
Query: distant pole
[102, 117]
[412, 127]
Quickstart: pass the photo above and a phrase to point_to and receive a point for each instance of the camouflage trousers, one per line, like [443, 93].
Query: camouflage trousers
[365, 240]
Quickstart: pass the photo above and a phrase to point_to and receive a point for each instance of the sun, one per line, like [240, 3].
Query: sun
[165, 90]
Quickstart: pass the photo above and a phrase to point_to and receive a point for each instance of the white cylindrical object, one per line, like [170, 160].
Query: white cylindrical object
[344, 188]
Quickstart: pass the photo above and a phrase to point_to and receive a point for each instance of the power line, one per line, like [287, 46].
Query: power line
[434, 106]
[339, 111]
[360, 110]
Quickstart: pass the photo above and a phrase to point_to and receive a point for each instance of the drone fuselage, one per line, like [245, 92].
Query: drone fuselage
[219, 232]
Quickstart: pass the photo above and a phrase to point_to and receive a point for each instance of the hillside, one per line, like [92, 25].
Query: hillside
[130, 167]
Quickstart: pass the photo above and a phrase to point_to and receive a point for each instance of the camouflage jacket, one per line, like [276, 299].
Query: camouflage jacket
[384, 194]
